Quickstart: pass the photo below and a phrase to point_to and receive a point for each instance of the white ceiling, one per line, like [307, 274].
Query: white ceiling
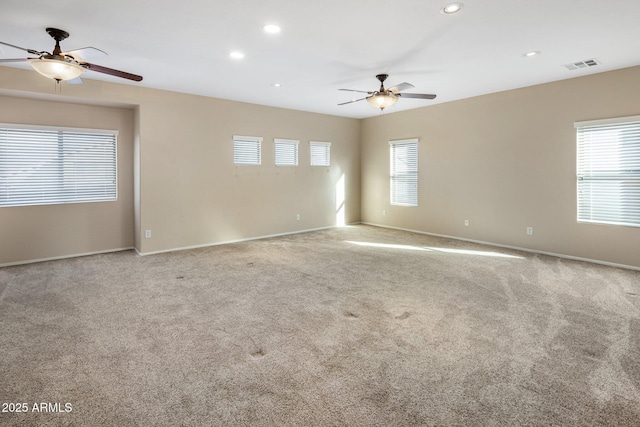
[325, 45]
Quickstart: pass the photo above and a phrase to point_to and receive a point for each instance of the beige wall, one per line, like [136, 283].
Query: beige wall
[41, 232]
[185, 187]
[192, 194]
[503, 161]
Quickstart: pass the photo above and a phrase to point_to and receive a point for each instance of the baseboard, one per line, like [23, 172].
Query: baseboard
[33, 261]
[226, 242]
[517, 248]
[481, 242]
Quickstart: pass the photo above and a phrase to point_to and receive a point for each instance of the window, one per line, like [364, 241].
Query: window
[404, 172]
[247, 150]
[286, 152]
[608, 171]
[46, 165]
[320, 153]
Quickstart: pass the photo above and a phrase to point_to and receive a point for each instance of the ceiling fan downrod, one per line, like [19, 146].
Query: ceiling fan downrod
[58, 36]
[382, 78]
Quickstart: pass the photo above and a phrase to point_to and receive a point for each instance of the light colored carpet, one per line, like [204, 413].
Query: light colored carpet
[355, 326]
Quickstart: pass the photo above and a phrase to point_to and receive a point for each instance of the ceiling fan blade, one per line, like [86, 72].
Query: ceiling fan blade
[31, 51]
[353, 100]
[76, 81]
[361, 91]
[85, 53]
[111, 71]
[417, 95]
[401, 87]
[15, 59]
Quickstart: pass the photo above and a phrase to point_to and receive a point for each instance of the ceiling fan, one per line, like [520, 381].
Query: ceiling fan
[383, 98]
[65, 66]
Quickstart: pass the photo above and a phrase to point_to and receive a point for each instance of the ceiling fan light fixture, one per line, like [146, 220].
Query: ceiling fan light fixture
[382, 101]
[56, 69]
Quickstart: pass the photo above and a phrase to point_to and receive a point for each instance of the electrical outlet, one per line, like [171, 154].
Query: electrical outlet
[530, 231]
[384, 212]
[297, 217]
[147, 234]
[466, 222]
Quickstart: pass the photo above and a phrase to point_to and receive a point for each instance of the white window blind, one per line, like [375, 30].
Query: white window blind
[286, 152]
[45, 165]
[320, 153]
[247, 150]
[608, 171]
[404, 172]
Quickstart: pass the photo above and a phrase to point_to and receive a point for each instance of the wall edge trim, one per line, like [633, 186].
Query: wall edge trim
[517, 248]
[55, 258]
[226, 242]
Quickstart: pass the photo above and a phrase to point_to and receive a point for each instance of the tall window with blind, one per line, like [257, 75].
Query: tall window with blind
[286, 152]
[320, 153]
[247, 150]
[608, 171]
[404, 172]
[47, 165]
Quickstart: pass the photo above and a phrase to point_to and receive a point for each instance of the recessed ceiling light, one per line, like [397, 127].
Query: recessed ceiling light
[236, 54]
[452, 8]
[276, 84]
[532, 53]
[271, 28]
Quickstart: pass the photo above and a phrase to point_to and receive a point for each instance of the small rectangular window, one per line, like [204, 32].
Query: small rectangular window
[608, 171]
[286, 152]
[51, 165]
[404, 172]
[320, 153]
[247, 150]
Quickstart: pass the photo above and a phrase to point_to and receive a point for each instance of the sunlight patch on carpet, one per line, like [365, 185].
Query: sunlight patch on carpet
[432, 249]
[389, 246]
[479, 253]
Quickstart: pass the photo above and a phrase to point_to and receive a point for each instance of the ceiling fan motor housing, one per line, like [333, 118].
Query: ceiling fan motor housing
[58, 35]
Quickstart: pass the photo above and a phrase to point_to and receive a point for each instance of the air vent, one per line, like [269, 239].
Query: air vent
[582, 64]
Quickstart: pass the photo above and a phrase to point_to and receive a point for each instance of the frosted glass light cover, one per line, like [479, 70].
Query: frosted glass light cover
[56, 69]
